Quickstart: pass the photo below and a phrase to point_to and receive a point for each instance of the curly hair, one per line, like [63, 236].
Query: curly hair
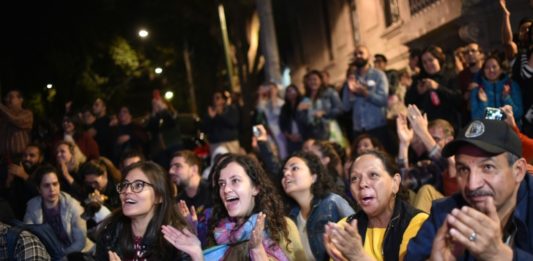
[266, 201]
[323, 184]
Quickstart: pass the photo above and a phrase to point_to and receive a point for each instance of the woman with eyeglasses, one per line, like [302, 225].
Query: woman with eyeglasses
[133, 232]
[248, 220]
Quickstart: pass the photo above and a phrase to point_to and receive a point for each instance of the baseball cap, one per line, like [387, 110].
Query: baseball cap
[492, 136]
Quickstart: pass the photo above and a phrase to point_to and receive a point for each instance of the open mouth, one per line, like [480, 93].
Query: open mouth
[366, 200]
[231, 202]
[129, 201]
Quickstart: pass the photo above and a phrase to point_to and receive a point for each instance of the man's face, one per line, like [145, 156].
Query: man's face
[124, 116]
[361, 57]
[98, 107]
[88, 118]
[31, 156]
[379, 63]
[14, 100]
[180, 171]
[481, 175]
[472, 54]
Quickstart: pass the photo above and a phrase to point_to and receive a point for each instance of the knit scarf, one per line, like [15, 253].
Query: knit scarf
[229, 235]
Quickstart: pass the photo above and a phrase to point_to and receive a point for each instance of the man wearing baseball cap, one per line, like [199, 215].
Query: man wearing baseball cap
[491, 218]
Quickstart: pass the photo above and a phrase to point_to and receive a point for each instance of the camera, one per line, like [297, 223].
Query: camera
[492, 113]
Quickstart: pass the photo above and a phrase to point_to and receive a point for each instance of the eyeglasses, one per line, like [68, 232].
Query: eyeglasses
[136, 186]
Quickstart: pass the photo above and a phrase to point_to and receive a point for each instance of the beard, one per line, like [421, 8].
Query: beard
[360, 62]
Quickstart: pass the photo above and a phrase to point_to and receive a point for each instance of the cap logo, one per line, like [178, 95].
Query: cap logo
[475, 129]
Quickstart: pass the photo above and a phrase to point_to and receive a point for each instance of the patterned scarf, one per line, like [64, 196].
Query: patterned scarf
[228, 235]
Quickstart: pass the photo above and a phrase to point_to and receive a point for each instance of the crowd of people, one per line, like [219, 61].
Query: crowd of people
[428, 162]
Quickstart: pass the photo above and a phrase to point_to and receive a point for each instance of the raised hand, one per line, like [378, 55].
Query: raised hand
[480, 232]
[419, 121]
[443, 248]
[257, 234]
[482, 95]
[257, 250]
[183, 240]
[509, 116]
[405, 134]
[347, 241]
[189, 215]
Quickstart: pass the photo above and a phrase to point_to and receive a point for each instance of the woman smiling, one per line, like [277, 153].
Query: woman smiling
[248, 219]
[133, 231]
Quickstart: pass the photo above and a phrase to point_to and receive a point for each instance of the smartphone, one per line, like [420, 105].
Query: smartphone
[492, 113]
[256, 131]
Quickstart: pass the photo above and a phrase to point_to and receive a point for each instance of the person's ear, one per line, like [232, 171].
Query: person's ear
[519, 169]
[314, 177]
[397, 180]
[255, 191]
[326, 160]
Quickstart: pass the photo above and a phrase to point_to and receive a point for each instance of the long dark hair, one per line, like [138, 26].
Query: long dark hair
[320, 89]
[287, 107]
[323, 184]
[165, 214]
[267, 200]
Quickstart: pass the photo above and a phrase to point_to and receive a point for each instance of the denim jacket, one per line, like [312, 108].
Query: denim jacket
[368, 112]
[419, 247]
[330, 208]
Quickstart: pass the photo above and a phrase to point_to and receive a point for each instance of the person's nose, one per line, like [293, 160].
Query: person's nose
[475, 181]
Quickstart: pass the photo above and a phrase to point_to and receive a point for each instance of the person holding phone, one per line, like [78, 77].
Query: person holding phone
[493, 88]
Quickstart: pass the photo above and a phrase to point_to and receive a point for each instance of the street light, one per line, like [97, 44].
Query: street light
[169, 95]
[158, 70]
[49, 86]
[143, 33]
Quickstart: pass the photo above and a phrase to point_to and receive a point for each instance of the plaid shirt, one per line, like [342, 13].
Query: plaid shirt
[28, 247]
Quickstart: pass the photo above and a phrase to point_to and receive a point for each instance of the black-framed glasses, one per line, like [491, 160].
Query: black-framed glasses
[136, 186]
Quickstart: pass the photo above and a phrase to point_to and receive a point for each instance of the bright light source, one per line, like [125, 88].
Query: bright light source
[158, 70]
[169, 95]
[143, 33]
[49, 86]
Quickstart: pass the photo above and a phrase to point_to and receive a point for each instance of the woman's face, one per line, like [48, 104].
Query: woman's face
[313, 82]
[297, 177]
[68, 126]
[63, 153]
[315, 150]
[141, 204]
[218, 99]
[237, 191]
[364, 145]
[492, 69]
[49, 189]
[371, 186]
[291, 94]
[430, 63]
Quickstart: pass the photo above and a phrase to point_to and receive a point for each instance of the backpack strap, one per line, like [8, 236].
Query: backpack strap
[12, 237]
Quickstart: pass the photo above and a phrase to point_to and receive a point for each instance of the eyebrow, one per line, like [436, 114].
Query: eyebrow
[230, 177]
